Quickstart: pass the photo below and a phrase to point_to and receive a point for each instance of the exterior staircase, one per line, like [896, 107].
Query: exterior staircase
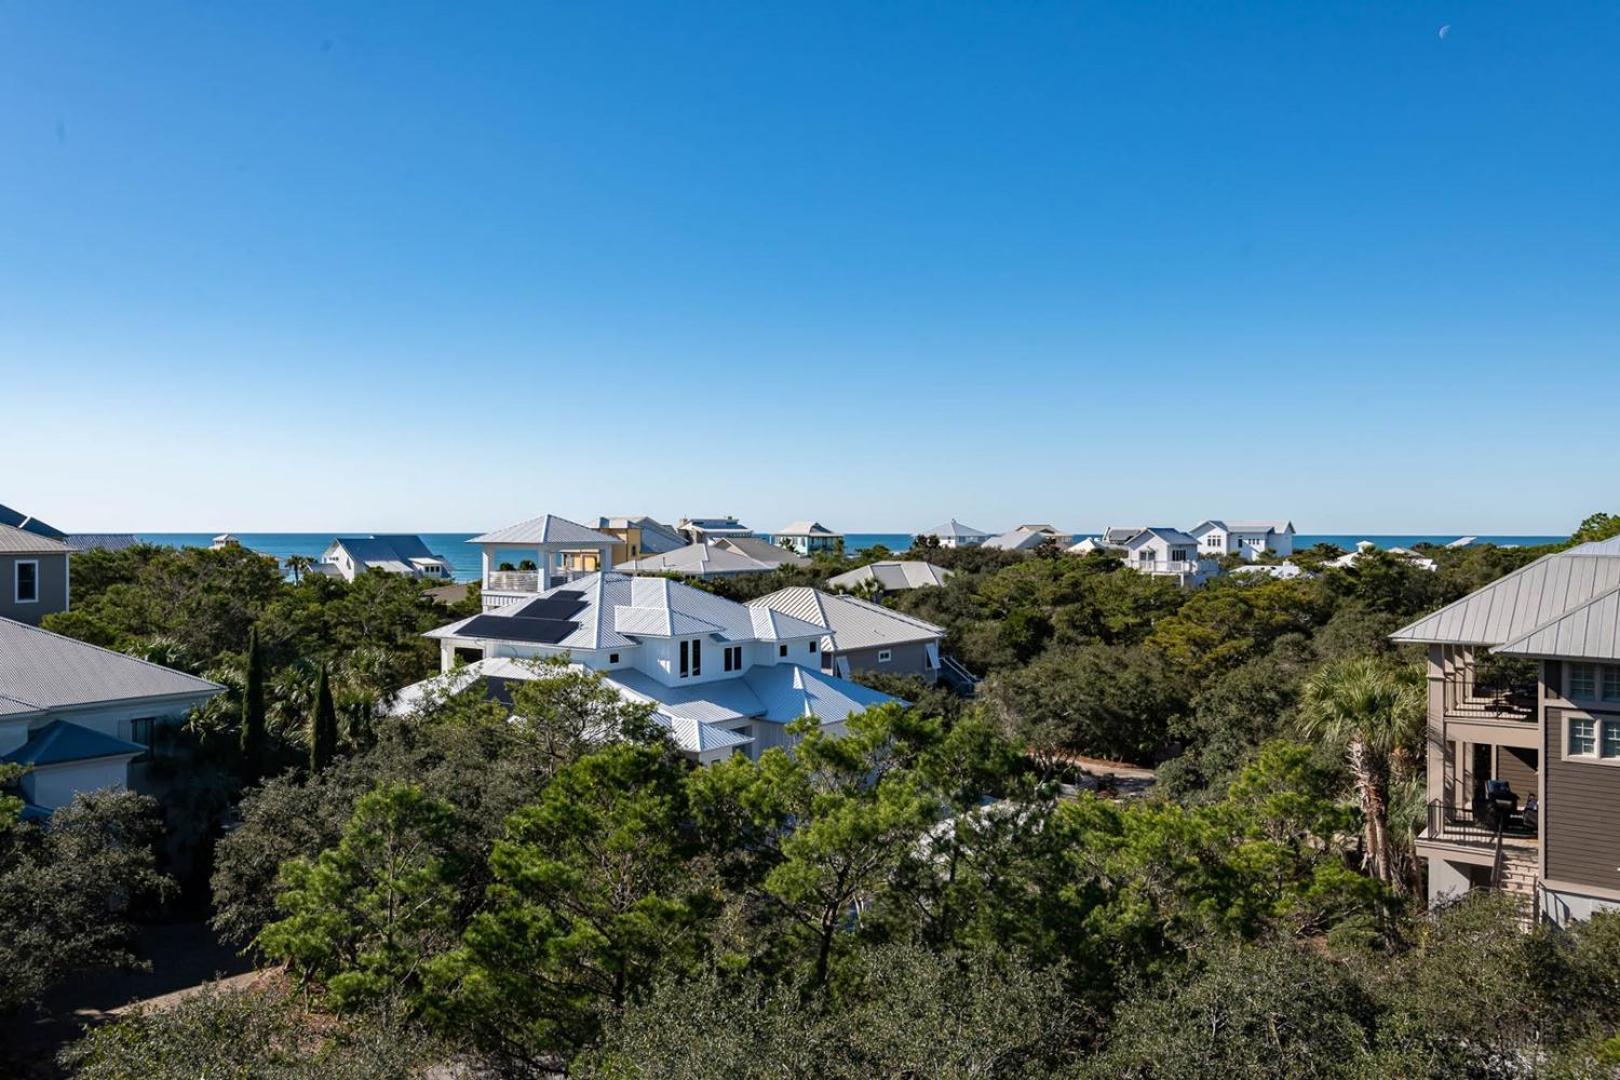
[956, 676]
[1516, 875]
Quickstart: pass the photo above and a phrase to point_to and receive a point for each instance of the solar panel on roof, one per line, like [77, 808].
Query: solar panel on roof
[563, 605]
[518, 628]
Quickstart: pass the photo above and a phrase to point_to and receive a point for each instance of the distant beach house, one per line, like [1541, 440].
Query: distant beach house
[697, 530]
[954, 534]
[1363, 547]
[722, 677]
[717, 558]
[225, 540]
[891, 575]
[1283, 571]
[1093, 544]
[350, 556]
[1251, 539]
[862, 636]
[808, 537]
[639, 536]
[1166, 552]
[523, 560]
[1027, 538]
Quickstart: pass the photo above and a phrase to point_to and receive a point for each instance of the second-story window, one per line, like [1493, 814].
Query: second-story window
[733, 658]
[1582, 681]
[781, 650]
[1609, 747]
[697, 657]
[686, 659]
[1611, 683]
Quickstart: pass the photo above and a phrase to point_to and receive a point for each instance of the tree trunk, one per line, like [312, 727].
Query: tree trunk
[1372, 789]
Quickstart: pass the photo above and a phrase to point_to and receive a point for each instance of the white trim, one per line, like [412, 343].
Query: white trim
[1599, 723]
[16, 581]
[885, 655]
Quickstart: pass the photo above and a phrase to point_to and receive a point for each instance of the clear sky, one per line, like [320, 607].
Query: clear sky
[447, 266]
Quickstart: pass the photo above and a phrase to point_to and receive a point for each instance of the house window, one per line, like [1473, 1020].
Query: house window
[1582, 681]
[613, 658]
[1582, 737]
[1609, 748]
[812, 646]
[781, 650]
[733, 660]
[697, 658]
[686, 659]
[885, 655]
[1611, 683]
[27, 591]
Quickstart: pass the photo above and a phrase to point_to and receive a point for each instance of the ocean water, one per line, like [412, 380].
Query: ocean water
[465, 558]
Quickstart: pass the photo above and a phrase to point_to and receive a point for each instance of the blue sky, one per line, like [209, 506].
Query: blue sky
[447, 266]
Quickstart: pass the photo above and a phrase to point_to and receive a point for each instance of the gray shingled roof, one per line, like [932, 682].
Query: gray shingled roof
[545, 529]
[853, 623]
[15, 541]
[1514, 605]
[40, 671]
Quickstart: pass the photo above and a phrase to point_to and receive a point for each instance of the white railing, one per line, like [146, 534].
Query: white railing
[512, 581]
[1165, 566]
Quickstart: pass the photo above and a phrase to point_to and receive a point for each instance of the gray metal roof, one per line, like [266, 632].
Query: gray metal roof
[40, 671]
[1025, 538]
[102, 541]
[714, 558]
[545, 529]
[806, 528]
[1588, 632]
[1163, 532]
[954, 528]
[893, 575]
[1120, 534]
[1517, 603]
[15, 541]
[853, 623]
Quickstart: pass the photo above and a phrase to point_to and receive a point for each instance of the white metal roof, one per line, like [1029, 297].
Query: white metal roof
[1025, 538]
[853, 623]
[1513, 605]
[40, 671]
[716, 557]
[545, 529]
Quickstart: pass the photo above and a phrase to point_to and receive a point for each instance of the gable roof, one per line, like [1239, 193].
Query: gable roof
[893, 575]
[852, 622]
[954, 528]
[655, 535]
[16, 541]
[1161, 532]
[714, 525]
[1530, 597]
[545, 529]
[1121, 534]
[395, 551]
[40, 671]
[28, 523]
[1024, 538]
[1278, 527]
[806, 528]
[60, 741]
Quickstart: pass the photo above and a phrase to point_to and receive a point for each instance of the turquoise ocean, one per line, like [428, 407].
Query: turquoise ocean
[464, 557]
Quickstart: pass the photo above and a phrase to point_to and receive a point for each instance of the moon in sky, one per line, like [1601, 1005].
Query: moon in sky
[1445, 31]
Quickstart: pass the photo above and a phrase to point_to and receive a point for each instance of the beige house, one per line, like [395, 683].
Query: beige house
[1523, 765]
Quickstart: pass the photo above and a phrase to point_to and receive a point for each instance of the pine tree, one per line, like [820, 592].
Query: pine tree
[322, 726]
[254, 741]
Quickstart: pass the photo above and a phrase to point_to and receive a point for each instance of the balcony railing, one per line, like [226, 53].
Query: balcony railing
[1460, 824]
[1166, 566]
[1491, 697]
[513, 581]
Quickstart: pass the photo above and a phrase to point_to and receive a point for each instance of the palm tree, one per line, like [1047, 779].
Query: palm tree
[298, 564]
[1374, 708]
